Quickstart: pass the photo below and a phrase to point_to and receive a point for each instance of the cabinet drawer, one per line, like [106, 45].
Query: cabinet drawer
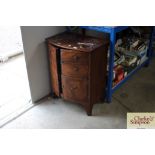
[75, 89]
[75, 70]
[74, 56]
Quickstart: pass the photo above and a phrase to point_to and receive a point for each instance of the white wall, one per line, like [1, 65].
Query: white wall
[36, 57]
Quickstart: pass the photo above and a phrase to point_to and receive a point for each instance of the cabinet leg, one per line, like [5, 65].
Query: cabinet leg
[53, 95]
[89, 110]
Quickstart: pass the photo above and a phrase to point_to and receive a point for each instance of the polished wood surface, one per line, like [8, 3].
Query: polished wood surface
[74, 56]
[98, 67]
[54, 70]
[75, 89]
[75, 70]
[79, 76]
[76, 42]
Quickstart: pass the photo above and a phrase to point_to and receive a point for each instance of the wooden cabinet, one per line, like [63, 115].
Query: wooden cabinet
[78, 68]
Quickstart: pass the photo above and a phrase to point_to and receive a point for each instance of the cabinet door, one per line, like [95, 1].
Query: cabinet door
[54, 70]
[75, 89]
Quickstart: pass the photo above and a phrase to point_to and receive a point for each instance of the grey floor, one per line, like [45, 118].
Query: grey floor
[137, 95]
[14, 88]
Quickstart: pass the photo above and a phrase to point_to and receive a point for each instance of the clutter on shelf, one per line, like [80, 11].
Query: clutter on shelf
[130, 51]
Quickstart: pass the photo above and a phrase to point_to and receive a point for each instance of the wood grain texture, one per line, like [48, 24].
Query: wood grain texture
[75, 89]
[74, 70]
[74, 56]
[79, 76]
[54, 70]
[98, 74]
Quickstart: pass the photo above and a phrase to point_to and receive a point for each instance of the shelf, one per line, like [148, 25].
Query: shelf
[113, 30]
[129, 75]
[107, 29]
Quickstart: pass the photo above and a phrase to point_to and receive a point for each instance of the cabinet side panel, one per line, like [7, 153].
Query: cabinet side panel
[98, 74]
[54, 70]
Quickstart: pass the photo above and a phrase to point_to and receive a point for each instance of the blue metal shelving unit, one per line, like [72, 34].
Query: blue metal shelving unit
[112, 31]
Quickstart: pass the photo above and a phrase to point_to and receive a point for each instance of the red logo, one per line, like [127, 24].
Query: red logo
[141, 120]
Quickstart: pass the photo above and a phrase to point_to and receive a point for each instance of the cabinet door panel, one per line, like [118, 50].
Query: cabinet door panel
[75, 89]
[54, 70]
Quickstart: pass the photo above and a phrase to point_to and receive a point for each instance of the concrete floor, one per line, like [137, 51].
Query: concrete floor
[137, 95]
[14, 88]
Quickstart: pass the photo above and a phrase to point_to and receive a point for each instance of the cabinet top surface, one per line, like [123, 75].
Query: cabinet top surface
[76, 42]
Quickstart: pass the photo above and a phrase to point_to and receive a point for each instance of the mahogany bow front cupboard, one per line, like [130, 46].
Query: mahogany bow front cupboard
[78, 68]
